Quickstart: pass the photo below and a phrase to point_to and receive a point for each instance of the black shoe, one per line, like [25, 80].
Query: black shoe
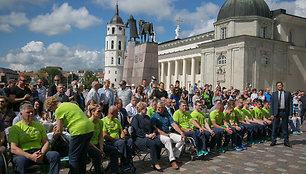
[287, 144]
[273, 144]
[159, 170]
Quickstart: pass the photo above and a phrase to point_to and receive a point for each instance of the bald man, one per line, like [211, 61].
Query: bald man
[114, 135]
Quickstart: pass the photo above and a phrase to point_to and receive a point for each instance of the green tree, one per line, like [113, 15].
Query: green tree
[89, 77]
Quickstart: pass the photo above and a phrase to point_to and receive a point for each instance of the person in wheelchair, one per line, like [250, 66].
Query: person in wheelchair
[199, 116]
[97, 149]
[144, 135]
[114, 136]
[29, 143]
[183, 118]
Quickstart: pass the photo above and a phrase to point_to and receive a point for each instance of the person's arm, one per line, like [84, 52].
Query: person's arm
[59, 128]
[207, 127]
[290, 104]
[109, 138]
[178, 129]
[19, 152]
[160, 132]
[2, 138]
[198, 125]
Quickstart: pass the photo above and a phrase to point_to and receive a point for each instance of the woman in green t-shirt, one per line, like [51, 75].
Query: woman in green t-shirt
[97, 148]
[79, 126]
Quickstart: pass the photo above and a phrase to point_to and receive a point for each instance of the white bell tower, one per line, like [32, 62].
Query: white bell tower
[115, 46]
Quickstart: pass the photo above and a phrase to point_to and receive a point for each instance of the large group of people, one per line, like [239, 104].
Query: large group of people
[116, 123]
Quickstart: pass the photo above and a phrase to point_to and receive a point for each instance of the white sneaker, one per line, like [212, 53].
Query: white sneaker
[296, 133]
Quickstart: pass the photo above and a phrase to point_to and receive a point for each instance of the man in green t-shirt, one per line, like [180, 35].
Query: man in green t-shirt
[183, 118]
[113, 134]
[29, 143]
[220, 126]
[199, 116]
[152, 108]
[257, 125]
[242, 122]
[258, 115]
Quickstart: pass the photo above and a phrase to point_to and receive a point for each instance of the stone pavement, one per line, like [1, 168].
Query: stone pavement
[260, 158]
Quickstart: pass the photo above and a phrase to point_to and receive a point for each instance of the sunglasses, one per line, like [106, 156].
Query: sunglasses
[23, 80]
[2, 101]
[99, 111]
[56, 80]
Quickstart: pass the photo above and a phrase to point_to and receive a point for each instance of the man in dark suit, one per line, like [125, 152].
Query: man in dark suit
[52, 89]
[281, 108]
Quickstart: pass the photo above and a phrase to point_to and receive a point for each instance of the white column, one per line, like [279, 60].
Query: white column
[192, 70]
[176, 70]
[162, 70]
[202, 69]
[184, 73]
[169, 75]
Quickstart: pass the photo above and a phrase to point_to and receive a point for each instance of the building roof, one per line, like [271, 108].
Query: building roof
[237, 8]
[116, 19]
[7, 71]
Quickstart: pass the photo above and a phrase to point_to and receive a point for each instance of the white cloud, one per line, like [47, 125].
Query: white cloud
[160, 29]
[159, 8]
[201, 20]
[62, 19]
[14, 19]
[35, 55]
[297, 7]
[19, 4]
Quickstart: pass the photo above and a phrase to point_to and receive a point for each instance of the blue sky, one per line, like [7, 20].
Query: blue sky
[71, 34]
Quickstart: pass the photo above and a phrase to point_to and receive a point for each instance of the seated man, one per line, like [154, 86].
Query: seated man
[131, 109]
[183, 119]
[199, 116]
[113, 134]
[231, 119]
[122, 116]
[218, 124]
[152, 108]
[29, 143]
[258, 115]
[242, 122]
[161, 120]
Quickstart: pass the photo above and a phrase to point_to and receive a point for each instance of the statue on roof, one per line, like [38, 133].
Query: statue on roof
[133, 28]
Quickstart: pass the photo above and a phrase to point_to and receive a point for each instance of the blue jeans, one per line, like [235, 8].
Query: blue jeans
[198, 137]
[78, 149]
[96, 156]
[218, 137]
[51, 157]
[302, 115]
[284, 125]
[125, 148]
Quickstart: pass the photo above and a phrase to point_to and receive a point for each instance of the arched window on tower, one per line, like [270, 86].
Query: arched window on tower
[112, 61]
[112, 46]
[222, 60]
[107, 45]
[119, 45]
[119, 60]
[113, 30]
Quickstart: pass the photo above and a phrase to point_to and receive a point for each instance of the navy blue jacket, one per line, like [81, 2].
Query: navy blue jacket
[274, 103]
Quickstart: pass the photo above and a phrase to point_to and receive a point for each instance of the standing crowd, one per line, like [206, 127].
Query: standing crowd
[116, 123]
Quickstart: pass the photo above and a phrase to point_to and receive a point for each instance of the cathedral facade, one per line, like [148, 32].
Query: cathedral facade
[250, 46]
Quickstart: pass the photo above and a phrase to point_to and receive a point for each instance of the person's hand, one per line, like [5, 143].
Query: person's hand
[102, 102]
[103, 155]
[40, 157]
[272, 117]
[125, 131]
[290, 116]
[202, 130]
[26, 96]
[187, 130]
[238, 128]
[34, 156]
[153, 136]
[228, 130]
[183, 136]
[212, 133]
